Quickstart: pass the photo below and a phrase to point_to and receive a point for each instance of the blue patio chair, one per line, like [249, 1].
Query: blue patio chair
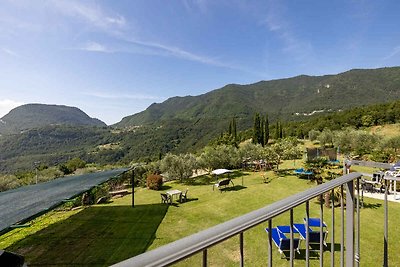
[281, 240]
[313, 230]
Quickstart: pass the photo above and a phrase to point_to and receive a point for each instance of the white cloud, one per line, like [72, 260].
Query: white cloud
[395, 51]
[94, 15]
[6, 105]
[9, 52]
[95, 47]
[278, 23]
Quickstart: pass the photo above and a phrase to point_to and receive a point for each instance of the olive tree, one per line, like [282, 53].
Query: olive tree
[178, 166]
[222, 156]
[250, 152]
[325, 137]
[286, 148]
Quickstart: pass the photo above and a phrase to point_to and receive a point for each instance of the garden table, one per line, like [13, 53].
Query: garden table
[174, 192]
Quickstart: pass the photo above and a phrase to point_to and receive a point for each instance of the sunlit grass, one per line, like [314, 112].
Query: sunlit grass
[104, 234]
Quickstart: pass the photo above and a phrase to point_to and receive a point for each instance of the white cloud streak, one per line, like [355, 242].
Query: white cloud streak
[94, 15]
[10, 52]
[395, 52]
[276, 22]
[95, 47]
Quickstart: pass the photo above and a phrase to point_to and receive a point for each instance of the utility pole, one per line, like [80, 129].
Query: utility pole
[133, 183]
[36, 163]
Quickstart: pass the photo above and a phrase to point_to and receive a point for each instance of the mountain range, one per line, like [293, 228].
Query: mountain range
[181, 124]
[286, 99]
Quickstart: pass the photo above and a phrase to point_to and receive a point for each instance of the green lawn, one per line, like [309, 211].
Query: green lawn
[105, 234]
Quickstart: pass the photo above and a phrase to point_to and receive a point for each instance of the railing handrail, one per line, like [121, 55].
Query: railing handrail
[187, 246]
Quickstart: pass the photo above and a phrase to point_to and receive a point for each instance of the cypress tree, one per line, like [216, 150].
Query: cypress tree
[234, 129]
[262, 132]
[277, 130]
[256, 128]
[266, 130]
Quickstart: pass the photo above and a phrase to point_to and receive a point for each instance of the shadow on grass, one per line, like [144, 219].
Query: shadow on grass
[98, 235]
[371, 205]
[233, 188]
[165, 187]
[208, 179]
[314, 252]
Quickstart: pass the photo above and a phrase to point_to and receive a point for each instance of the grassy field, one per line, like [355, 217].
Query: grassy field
[104, 234]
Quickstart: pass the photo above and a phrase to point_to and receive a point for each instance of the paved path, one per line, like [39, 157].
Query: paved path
[381, 196]
[24, 202]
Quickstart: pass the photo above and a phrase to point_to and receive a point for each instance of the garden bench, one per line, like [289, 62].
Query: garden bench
[119, 192]
[223, 183]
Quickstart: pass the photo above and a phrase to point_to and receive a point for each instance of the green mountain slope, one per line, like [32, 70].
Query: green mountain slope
[33, 116]
[279, 98]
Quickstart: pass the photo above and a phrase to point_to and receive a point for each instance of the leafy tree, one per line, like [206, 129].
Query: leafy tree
[313, 135]
[343, 140]
[285, 149]
[250, 152]
[326, 137]
[391, 146]
[178, 167]
[216, 157]
[364, 142]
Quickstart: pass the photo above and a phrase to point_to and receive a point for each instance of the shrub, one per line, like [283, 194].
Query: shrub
[8, 182]
[154, 181]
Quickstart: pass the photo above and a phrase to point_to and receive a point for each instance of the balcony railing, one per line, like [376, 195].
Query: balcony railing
[200, 242]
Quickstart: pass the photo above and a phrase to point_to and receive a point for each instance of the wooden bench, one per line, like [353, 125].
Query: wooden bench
[223, 183]
[119, 192]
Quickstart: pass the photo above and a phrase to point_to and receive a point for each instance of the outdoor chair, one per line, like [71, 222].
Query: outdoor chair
[282, 241]
[367, 186]
[165, 198]
[223, 183]
[313, 230]
[183, 196]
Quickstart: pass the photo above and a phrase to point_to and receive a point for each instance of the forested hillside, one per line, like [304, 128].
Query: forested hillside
[33, 116]
[286, 99]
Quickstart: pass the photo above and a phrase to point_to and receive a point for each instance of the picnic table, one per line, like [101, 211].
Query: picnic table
[174, 192]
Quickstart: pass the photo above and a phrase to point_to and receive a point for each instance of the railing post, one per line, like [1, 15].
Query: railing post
[307, 234]
[241, 250]
[350, 224]
[385, 237]
[342, 227]
[270, 243]
[205, 258]
[357, 256]
[321, 235]
[291, 239]
[333, 229]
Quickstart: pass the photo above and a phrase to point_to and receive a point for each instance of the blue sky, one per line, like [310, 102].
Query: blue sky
[114, 58]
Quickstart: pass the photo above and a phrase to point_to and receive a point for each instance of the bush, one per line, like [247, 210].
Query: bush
[154, 181]
[8, 182]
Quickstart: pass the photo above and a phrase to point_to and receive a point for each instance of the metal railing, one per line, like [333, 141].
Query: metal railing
[200, 242]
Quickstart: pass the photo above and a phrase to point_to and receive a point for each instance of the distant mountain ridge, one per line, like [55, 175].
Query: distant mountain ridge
[284, 98]
[31, 116]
